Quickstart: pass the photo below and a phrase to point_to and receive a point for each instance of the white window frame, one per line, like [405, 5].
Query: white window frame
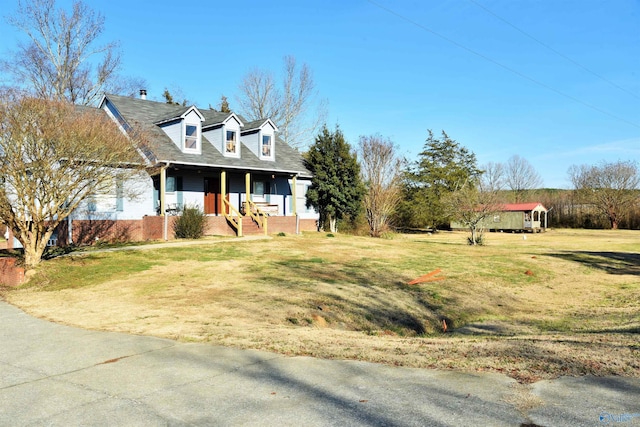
[262, 154]
[236, 141]
[198, 138]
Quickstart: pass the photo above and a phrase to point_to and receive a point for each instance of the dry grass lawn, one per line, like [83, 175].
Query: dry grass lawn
[565, 302]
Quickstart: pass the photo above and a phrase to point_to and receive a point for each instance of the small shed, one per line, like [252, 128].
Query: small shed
[515, 217]
[519, 217]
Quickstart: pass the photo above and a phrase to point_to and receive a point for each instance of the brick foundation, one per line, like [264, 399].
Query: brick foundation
[308, 225]
[87, 232]
[10, 274]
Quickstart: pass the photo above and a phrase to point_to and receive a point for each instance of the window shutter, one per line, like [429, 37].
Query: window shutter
[179, 191]
[119, 194]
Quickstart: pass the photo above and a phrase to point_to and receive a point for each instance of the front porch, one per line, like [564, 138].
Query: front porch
[249, 201]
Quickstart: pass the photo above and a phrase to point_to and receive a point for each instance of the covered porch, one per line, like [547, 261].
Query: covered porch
[245, 198]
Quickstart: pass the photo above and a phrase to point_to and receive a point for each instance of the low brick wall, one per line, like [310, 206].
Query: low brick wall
[10, 273]
[218, 226]
[87, 232]
[281, 224]
[153, 227]
[90, 231]
[308, 225]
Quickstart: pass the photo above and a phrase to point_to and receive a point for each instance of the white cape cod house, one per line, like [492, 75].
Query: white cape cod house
[244, 178]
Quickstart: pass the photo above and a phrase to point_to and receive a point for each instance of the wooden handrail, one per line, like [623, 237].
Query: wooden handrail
[237, 221]
[254, 211]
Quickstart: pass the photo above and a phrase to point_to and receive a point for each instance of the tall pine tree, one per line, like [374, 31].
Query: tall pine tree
[336, 190]
[443, 166]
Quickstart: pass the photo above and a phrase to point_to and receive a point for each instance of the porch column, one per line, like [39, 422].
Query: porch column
[163, 197]
[223, 190]
[163, 189]
[294, 189]
[247, 184]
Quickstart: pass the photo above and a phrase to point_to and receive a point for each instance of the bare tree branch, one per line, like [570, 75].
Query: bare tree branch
[53, 156]
[493, 176]
[289, 107]
[610, 187]
[381, 168]
[520, 176]
[61, 59]
[471, 205]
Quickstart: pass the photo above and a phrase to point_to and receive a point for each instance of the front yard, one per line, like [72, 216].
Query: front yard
[565, 302]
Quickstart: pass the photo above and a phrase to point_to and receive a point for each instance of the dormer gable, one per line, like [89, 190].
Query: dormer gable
[223, 131]
[184, 127]
[259, 136]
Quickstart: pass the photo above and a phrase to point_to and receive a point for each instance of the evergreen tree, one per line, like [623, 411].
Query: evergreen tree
[336, 191]
[167, 96]
[443, 167]
[224, 105]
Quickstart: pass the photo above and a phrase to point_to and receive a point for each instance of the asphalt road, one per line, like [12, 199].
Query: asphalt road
[56, 375]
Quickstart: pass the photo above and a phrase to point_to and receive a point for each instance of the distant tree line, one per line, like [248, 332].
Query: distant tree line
[372, 189]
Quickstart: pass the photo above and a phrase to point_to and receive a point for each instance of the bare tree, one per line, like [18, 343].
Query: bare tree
[61, 59]
[493, 176]
[520, 177]
[53, 156]
[260, 98]
[471, 205]
[380, 167]
[611, 187]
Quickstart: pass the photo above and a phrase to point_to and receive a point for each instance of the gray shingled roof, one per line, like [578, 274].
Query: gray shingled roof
[213, 117]
[142, 114]
[254, 125]
[172, 115]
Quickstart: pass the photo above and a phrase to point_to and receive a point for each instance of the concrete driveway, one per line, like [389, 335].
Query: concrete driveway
[56, 375]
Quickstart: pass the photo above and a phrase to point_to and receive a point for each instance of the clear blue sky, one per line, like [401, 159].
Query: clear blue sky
[400, 67]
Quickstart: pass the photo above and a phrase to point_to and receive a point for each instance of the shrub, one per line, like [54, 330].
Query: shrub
[190, 224]
[479, 239]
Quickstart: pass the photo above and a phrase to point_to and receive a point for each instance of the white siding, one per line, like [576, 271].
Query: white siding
[270, 131]
[232, 125]
[301, 200]
[215, 138]
[175, 132]
[251, 142]
[136, 201]
[192, 117]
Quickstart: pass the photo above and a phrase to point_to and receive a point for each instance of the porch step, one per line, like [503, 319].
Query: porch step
[250, 228]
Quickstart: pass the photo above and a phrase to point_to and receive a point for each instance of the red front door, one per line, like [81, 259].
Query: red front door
[212, 196]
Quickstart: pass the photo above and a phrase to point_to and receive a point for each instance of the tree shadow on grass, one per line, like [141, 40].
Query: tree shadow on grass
[365, 305]
[365, 296]
[610, 262]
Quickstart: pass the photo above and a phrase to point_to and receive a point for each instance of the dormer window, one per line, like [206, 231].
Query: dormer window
[191, 137]
[266, 148]
[232, 142]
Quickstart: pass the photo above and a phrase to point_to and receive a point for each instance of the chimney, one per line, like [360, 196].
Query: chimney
[143, 94]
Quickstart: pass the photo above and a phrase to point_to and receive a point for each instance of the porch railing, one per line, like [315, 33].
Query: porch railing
[258, 216]
[235, 221]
